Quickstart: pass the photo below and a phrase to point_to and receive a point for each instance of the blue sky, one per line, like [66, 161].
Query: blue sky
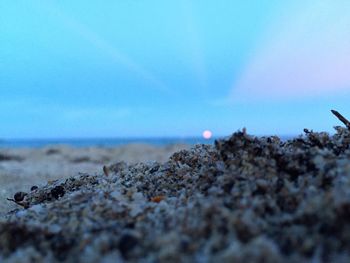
[137, 68]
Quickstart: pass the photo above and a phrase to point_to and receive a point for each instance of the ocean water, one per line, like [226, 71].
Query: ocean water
[100, 142]
[112, 142]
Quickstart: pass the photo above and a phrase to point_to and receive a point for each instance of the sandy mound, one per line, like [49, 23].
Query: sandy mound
[247, 199]
[20, 169]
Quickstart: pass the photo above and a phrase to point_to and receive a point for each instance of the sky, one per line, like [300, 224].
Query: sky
[155, 68]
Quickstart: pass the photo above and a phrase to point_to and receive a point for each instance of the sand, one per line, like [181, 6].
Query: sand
[244, 199]
[21, 168]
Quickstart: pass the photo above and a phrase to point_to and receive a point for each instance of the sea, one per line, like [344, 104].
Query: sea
[102, 142]
[109, 142]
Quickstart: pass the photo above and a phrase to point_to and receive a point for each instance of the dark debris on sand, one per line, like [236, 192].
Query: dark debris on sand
[7, 157]
[246, 199]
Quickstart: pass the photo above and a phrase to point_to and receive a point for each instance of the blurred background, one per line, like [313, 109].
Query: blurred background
[172, 69]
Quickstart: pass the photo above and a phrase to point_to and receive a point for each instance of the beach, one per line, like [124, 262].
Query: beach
[244, 199]
[22, 168]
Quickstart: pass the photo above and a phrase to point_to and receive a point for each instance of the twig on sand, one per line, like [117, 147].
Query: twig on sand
[24, 204]
[341, 118]
[105, 170]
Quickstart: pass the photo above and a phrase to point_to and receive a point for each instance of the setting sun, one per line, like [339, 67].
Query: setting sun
[207, 134]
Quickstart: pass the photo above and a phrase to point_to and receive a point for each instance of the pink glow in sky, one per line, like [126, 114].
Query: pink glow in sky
[306, 53]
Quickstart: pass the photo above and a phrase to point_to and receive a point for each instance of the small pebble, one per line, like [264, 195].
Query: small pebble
[126, 243]
[33, 188]
[157, 199]
[19, 196]
[57, 192]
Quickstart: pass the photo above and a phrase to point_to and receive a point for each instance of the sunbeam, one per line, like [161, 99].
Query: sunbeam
[194, 44]
[297, 59]
[102, 44]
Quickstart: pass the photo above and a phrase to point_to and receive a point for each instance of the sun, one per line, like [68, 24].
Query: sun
[207, 134]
